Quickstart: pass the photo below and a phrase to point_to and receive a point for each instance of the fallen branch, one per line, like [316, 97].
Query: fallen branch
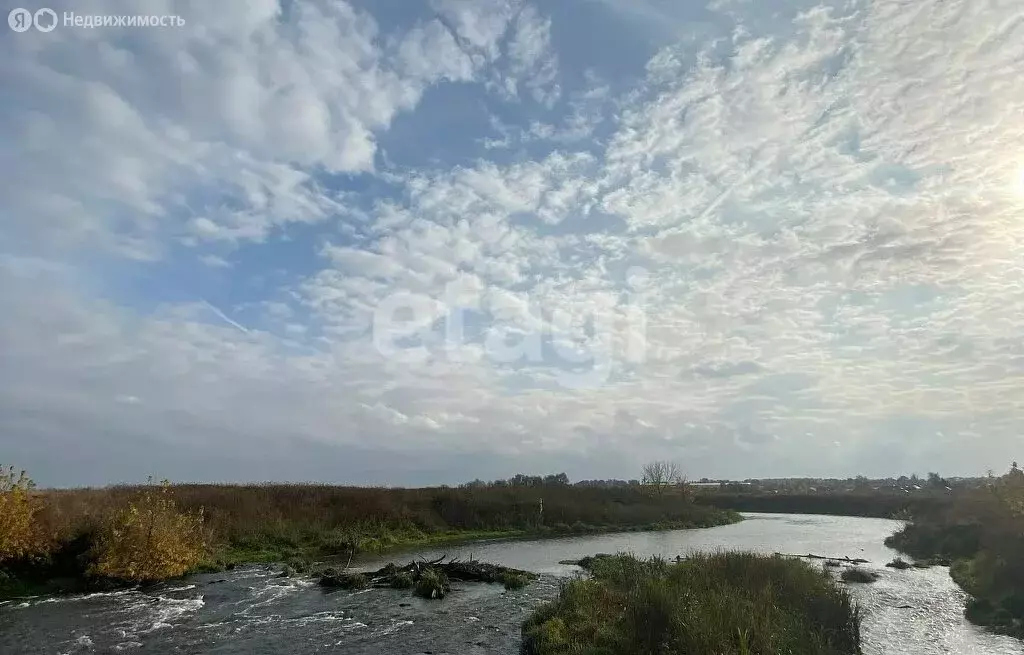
[846, 560]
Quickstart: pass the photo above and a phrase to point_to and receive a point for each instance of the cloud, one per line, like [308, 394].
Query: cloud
[532, 59]
[218, 126]
[786, 231]
[480, 25]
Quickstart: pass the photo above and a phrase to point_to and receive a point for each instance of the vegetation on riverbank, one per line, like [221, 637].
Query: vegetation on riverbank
[728, 603]
[146, 540]
[982, 536]
[67, 540]
[874, 503]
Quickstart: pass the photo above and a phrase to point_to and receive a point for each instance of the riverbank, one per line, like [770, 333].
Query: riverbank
[66, 570]
[982, 534]
[316, 547]
[727, 603]
[231, 525]
[989, 574]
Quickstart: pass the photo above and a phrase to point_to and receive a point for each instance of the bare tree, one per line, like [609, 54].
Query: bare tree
[662, 474]
[675, 474]
[654, 474]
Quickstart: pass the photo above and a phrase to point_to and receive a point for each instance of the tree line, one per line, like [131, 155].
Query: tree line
[658, 474]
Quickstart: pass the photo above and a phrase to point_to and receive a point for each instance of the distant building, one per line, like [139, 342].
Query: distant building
[720, 484]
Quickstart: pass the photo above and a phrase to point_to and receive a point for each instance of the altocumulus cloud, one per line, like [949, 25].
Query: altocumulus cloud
[759, 242]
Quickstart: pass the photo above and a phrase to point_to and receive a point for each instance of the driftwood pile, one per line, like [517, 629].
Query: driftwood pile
[454, 569]
[429, 579]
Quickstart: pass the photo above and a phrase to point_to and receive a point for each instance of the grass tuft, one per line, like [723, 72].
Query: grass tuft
[432, 584]
[334, 579]
[403, 580]
[514, 581]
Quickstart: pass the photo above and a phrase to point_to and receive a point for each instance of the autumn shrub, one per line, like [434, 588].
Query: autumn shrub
[149, 539]
[21, 533]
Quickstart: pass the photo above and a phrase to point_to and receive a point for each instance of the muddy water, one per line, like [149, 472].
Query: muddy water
[253, 611]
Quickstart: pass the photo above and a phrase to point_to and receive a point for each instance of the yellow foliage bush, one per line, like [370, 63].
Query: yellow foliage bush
[150, 540]
[20, 532]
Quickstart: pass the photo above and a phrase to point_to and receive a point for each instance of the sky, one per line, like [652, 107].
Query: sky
[408, 242]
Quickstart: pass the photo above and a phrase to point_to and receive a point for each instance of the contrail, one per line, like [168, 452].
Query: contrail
[224, 317]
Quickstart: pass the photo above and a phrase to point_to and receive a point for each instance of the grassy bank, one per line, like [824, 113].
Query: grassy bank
[982, 534]
[875, 504]
[381, 541]
[730, 603]
[71, 545]
[273, 522]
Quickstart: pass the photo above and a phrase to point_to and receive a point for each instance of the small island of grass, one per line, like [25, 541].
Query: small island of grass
[728, 603]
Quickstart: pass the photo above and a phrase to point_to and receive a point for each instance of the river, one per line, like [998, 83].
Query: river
[250, 610]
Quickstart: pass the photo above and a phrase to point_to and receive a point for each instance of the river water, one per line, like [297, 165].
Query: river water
[251, 610]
